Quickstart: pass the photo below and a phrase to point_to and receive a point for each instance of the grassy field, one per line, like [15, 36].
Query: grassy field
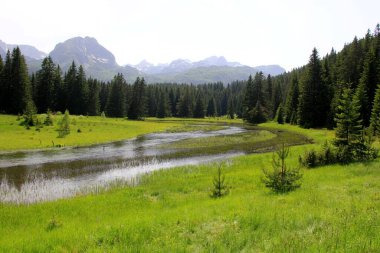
[84, 131]
[337, 209]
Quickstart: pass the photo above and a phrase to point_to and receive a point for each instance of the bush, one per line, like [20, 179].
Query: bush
[281, 179]
[220, 187]
[49, 119]
[64, 125]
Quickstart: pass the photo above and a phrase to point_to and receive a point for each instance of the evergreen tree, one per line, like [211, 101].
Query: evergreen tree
[64, 125]
[60, 91]
[313, 104]
[103, 96]
[5, 93]
[81, 93]
[349, 125]
[211, 108]
[2, 85]
[93, 97]
[230, 109]
[199, 110]
[362, 98]
[117, 101]
[45, 77]
[291, 104]
[137, 106]
[280, 115]
[163, 106]
[70, 81]
[20, 89]
[185, 106]
[375, 114]
[255, 100]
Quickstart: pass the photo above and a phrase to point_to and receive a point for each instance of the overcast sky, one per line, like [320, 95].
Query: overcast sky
[251, 32]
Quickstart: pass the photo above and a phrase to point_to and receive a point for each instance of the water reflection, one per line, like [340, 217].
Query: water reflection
[27, 177]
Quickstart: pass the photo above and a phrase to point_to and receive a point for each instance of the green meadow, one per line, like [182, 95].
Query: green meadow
[337, 208]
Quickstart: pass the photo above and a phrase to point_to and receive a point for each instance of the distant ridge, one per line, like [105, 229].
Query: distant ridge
[100, 63]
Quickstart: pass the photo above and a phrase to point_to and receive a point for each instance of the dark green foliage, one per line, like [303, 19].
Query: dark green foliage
[64, 125]
[349, 125]
[313, 104]
[375, 114]
[93, 105]
[281, 179]
[45, 86]
[163, 106]
[211, 108]
[280, 115]
[199, 109]
[231, 109]
[257, 114]
[117, 100]
[185, 105]
[220, 187]
[30, 117]
[254, 110]
[327, 155]
[137, 105]
[291, 105]
[49, 119]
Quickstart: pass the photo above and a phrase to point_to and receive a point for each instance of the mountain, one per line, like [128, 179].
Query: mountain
[210, 74]
[273, 70]
[27, 50]
[97, 61]
[100, 63]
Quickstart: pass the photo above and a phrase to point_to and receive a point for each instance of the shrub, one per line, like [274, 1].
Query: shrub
[64, 125]
[220, 188]
[281, 179]
[49, 119]
[309, 159]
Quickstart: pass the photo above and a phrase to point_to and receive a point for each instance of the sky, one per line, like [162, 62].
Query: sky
[252, 32]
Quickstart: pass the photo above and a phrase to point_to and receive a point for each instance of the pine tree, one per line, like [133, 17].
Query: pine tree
[64, 125]
[80, 93]
[280, 115]
[70, 81]
[199, 110]
[231, 109]
[375, 114]
[313, 104]
[137, 106]
[45, 78]
[185, 106]
[60, 91]
[349, 125]
[117, 102]
[291, 104]
[20, 89]
[2, 85]
[93, 104]
[361, 96]
[211, 108]
[163, 106]
[5, 93]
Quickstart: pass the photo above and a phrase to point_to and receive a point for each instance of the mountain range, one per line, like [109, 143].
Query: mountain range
[100, 63]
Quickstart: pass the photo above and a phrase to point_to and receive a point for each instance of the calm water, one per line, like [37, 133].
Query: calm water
[27, 177]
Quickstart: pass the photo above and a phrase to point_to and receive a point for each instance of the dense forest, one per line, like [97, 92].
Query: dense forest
[308, 96]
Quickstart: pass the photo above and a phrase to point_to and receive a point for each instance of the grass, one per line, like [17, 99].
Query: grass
[84, 131]
[335, 210]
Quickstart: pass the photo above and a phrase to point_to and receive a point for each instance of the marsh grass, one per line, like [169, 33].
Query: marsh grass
[335, 210]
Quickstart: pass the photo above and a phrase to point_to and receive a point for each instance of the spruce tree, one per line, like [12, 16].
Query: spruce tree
[45, 77]
[117, 102]
[184, 106]
[2, 85]
[163, 105]
[93, 105]
[211, 108]
[137, 106]
[199, 110]
[349, 125]
[20, 89]
[313, 104]
[80, 93]
[60, 91]
[375, 114]
[70, 81]
[5, 93]
[280, 115]
[291, 104]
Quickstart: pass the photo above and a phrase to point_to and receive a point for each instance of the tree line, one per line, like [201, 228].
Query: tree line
[50, 89]
[311, 96]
